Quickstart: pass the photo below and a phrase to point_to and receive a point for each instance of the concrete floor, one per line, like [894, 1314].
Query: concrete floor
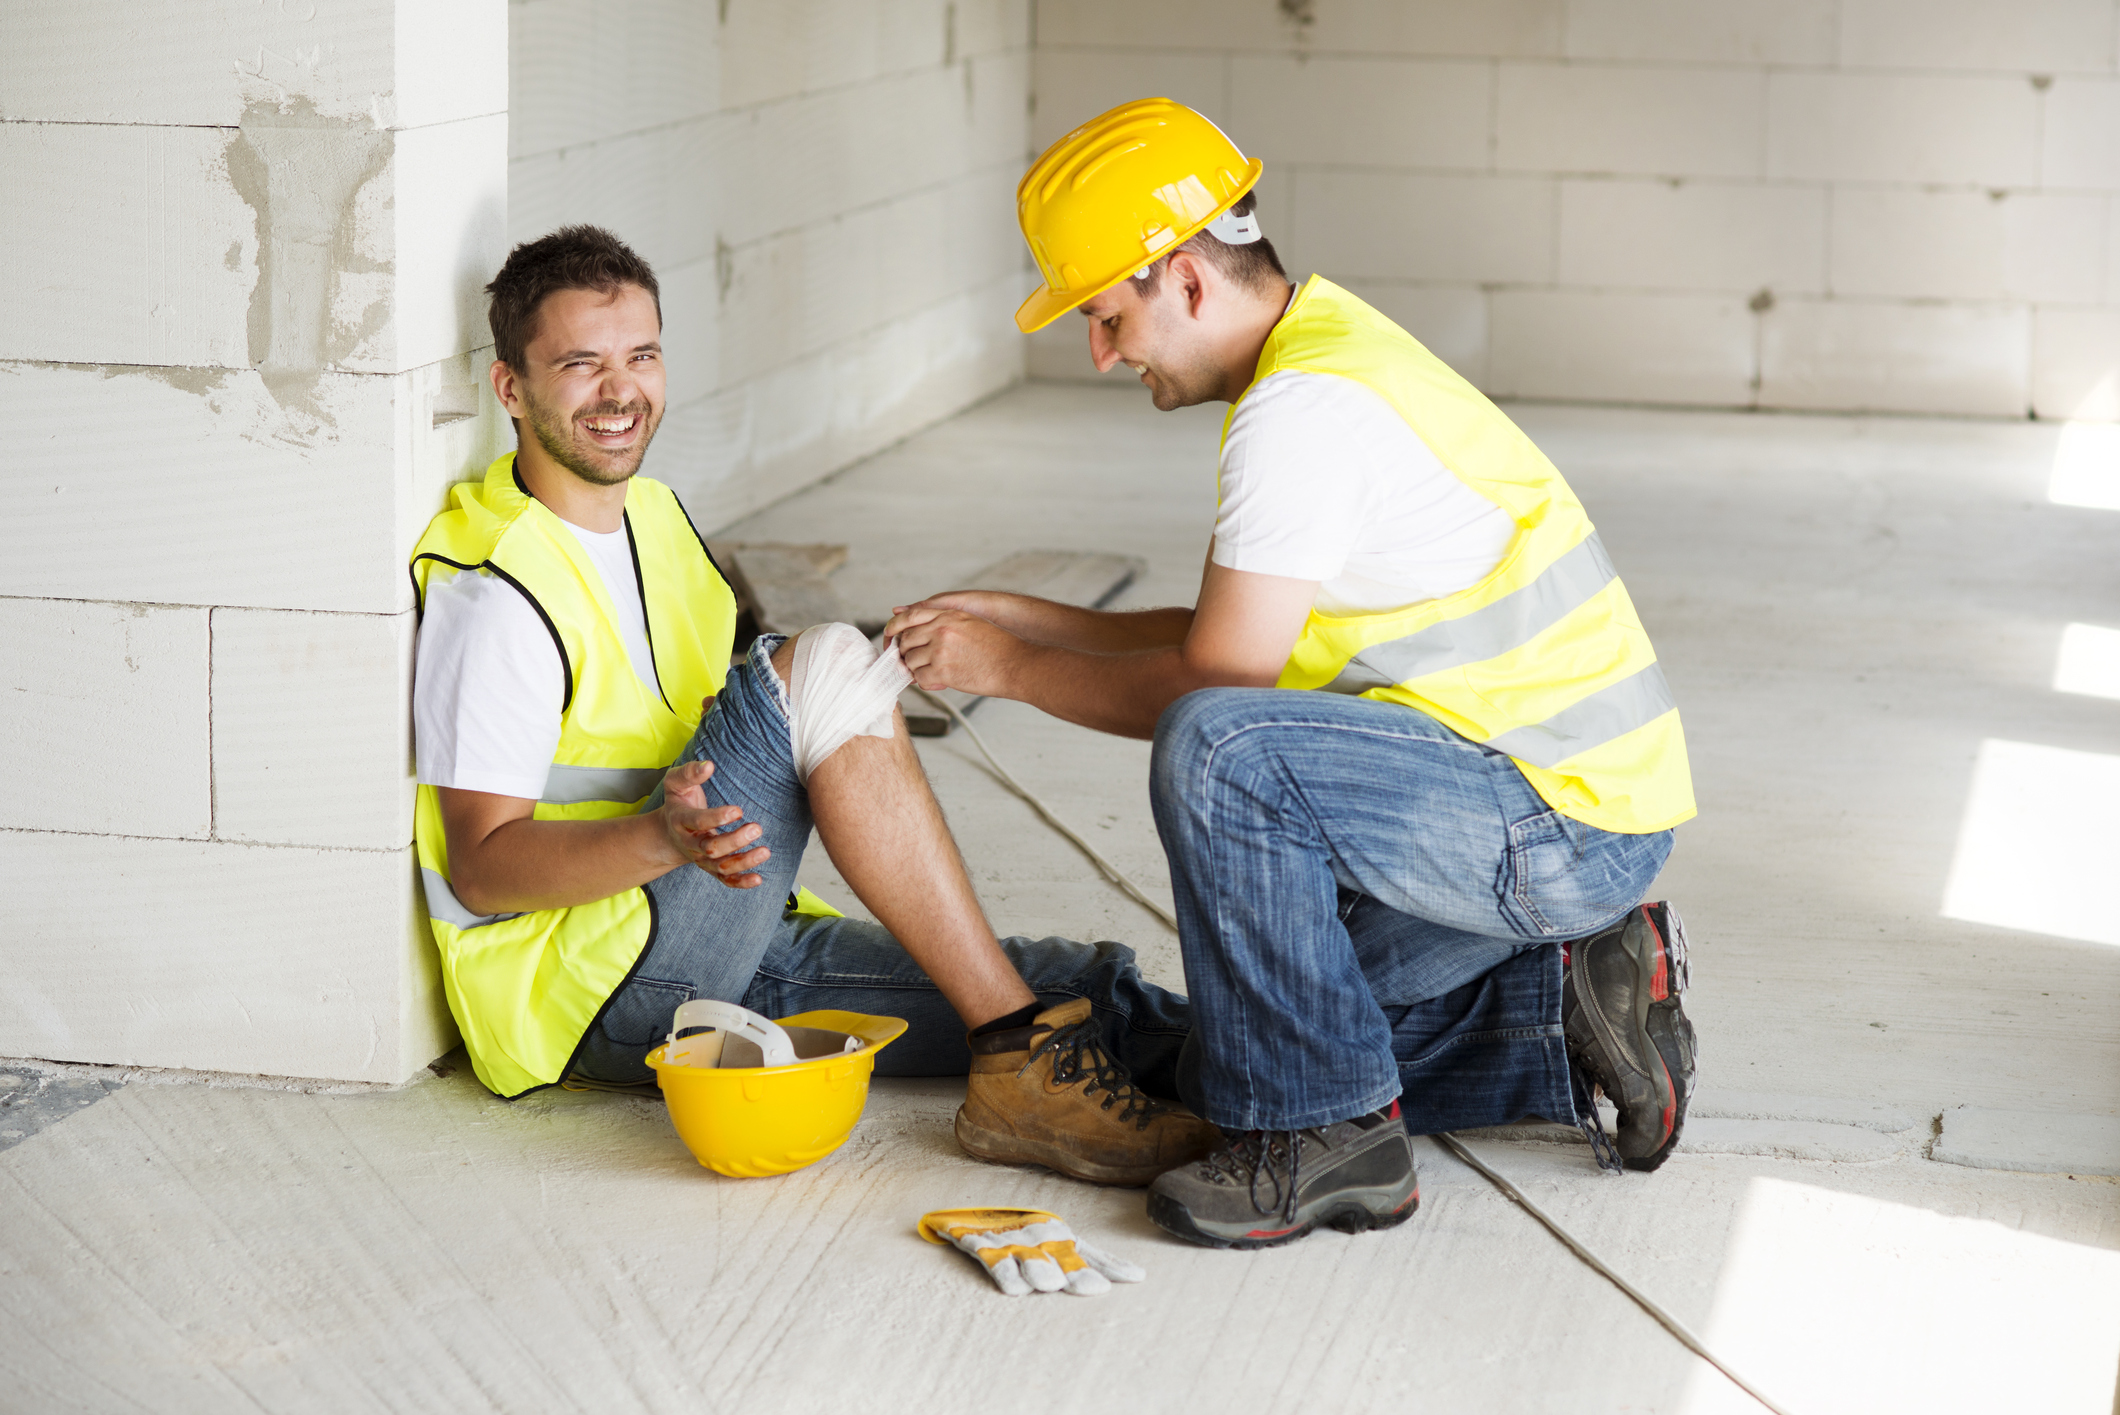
[1848, 609]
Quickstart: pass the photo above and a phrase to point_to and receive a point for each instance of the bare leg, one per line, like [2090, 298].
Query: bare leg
[882, 827]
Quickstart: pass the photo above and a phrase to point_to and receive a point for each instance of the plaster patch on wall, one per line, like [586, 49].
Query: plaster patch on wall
[283, 75]
[324, 248]
[199, 382]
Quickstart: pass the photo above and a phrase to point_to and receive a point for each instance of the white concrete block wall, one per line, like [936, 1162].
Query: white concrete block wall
[242, 328]
[2074, 373]
[311, 741]
[1955, 357]
[247, 329]
[105, 714]
[1904, 205]
[205, 63]
[216, 956]
[825, 188]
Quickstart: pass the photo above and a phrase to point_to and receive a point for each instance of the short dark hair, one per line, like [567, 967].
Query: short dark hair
[1255, 265]
[571, 258]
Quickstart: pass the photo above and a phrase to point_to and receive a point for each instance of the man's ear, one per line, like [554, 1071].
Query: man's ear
[1191, 274]
[504, 389]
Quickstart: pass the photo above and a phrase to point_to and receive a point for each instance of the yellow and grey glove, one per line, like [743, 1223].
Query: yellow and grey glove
[1028, 1250]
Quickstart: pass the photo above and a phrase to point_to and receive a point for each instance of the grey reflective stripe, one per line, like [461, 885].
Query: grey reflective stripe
[1510, 622]
[443, 904]
[1611, 711]
[568, 785]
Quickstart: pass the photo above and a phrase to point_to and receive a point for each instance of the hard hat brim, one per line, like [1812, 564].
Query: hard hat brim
[1047, 304]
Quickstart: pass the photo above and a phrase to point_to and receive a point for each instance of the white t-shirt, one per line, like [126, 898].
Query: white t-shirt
[489, 681]
[1323, 480]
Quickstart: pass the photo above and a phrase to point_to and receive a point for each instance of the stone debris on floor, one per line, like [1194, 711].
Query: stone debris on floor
[33, 1098]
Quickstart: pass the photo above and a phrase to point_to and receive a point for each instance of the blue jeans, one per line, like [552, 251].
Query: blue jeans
[747, 946]
[1370, 906]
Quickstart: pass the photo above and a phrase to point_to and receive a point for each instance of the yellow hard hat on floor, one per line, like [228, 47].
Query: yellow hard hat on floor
[755, 1097]
[1117, 193]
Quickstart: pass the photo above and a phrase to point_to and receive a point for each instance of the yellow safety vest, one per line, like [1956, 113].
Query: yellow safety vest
[1544, 659]
[525, 987]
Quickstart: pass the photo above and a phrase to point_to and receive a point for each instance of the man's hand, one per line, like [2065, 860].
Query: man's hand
[990, 605]
[953, 648]
[708, 836]
[1113, 672]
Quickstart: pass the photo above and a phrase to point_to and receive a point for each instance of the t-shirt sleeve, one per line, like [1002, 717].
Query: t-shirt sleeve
[487, 688]
[1293, 483]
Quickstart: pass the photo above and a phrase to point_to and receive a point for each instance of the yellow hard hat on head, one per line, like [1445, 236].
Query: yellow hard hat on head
[1119, 192]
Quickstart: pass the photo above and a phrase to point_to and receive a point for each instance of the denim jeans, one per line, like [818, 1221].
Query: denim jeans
[1370, 906]
[747, 946]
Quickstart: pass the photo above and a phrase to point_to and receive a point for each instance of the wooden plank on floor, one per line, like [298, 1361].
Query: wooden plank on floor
[784, 586]
[823, 558]
[1091, 579]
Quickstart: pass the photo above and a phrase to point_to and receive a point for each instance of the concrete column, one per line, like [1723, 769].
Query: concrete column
[241, 346]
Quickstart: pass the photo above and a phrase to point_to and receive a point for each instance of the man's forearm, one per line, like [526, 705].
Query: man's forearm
[533, 864]
[1122, 693]
[1094, 668]
[1044, 621]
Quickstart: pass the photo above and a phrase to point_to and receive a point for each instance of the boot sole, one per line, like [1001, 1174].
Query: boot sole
[1656, 1157]
[1659, 959]
[999, 1147]
[1346, 1215]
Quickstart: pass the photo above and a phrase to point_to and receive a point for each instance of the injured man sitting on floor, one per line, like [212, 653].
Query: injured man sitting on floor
[611, 817]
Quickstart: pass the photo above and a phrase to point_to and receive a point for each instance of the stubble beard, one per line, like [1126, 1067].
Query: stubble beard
[1177, 388]
[555, 432]
[1183, 379]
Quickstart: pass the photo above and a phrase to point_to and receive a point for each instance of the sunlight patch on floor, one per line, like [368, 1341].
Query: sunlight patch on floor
[2089, 661]
[1838, 1304]
[2087, 467]
[2036, 846]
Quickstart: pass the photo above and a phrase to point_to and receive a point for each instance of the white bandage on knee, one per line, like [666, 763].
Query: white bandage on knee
[842, 688]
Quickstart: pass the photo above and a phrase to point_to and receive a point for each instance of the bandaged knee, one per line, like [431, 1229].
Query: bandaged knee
[842, 688]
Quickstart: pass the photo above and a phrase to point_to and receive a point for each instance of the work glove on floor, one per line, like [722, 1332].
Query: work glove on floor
[1028, 1250]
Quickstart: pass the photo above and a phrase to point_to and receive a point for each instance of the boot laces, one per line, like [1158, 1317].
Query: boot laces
[1078, 1055]
[1591, 1120]
[1254, 1156]
[1675, 951]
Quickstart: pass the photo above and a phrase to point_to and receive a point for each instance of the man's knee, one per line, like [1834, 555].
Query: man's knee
[839, 687]
[783, 661]
[1197, 730]
[1206, 719]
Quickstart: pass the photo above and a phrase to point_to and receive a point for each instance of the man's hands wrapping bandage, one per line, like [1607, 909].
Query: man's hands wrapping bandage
[1028, 1250]
[841, 687]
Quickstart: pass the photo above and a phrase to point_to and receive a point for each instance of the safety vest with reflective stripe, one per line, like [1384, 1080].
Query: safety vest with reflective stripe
[1544, 658]
[525, 987]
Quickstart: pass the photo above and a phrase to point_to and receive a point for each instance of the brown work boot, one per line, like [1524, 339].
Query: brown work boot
[1050, 1094]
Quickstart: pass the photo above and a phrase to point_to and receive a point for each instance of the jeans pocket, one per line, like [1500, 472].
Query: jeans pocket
[1564, 879]
[640, 1015]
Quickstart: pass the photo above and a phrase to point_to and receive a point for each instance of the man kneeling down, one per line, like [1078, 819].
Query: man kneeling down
[571, 619]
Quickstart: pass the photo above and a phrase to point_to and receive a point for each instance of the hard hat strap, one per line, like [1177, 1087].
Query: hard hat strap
[1228, 228]
[1234, 230]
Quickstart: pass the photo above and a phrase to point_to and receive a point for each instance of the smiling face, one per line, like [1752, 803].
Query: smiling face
[591, 386]
[1159, 339]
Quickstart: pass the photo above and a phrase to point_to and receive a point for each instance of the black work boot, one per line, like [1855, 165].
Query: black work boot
[1263, 1188]
[1628, 1034]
